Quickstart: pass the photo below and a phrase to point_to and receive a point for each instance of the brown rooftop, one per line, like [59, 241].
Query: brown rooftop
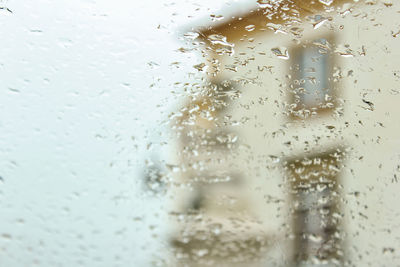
[277, 12]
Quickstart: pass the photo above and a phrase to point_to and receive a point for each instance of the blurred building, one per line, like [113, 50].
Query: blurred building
[270, 146]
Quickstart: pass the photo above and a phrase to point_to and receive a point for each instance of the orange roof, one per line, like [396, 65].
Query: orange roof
[276, 12]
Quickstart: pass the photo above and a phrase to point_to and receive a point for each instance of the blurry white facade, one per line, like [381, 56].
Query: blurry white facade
[291, 149]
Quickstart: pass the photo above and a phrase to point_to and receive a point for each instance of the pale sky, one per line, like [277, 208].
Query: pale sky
[84, 87]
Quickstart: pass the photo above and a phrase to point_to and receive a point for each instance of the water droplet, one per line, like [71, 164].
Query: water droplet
[215, 228]
[250, 28]
[281, 52]
[216, 17]
[13, 90]
[199, 67]
[326, 2]
[387, 250]
[191, 35]
[264, 3]
[200, 252]
[220, 40]
[231, 68]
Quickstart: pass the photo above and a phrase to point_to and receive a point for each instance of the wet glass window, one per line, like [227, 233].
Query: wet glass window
[164, 133]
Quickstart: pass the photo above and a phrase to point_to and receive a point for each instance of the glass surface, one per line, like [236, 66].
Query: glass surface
[199, 133]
